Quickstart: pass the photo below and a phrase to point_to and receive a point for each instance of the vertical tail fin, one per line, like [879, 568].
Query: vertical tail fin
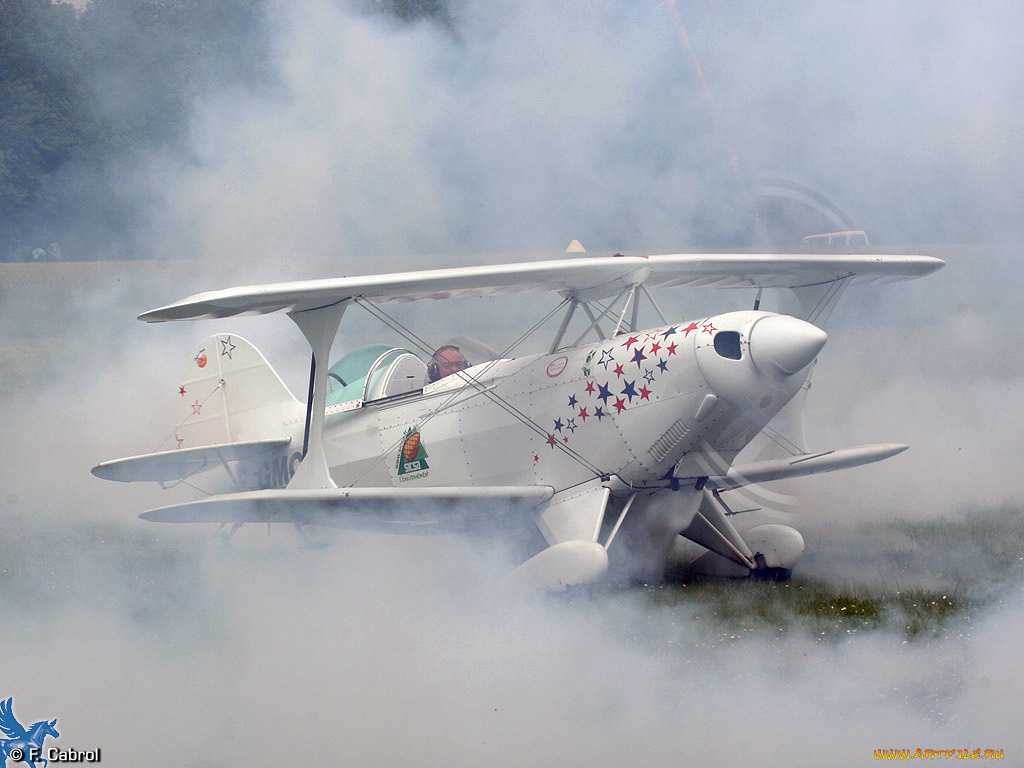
[229, 393]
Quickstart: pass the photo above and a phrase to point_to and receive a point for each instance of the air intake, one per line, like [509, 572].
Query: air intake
[673, 436]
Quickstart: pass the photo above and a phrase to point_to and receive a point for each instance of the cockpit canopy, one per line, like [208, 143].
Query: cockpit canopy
[374, 372]
[378, 371]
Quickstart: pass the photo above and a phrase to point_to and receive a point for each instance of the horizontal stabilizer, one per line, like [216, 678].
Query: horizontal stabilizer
[804, 464]
[170, 466]
[396, 510]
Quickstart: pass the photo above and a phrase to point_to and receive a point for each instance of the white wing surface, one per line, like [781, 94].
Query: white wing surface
[585, 278]
[802, 465]
[398, 510]
[169, 466]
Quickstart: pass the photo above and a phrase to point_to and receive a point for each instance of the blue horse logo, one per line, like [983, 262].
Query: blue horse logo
[24, 743]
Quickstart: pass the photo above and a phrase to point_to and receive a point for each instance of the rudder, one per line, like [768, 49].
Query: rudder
[230, 393]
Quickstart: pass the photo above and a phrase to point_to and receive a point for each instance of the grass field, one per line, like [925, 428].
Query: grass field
[922, 580]
[915, 581]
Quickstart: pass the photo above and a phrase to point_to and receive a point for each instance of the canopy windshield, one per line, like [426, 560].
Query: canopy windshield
[473, 350]
[347, 378]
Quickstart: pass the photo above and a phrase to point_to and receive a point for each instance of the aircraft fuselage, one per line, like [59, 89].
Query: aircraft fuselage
[635, 406]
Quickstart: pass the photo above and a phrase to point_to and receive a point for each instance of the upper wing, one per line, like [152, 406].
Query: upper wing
[396, 510]
[772, 270]
[586, 279]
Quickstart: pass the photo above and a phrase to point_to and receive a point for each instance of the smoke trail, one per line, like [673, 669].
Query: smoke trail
[528, 127]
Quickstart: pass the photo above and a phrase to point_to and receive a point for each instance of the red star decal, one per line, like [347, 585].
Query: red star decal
[583, 414]
[671, 348]
[645, 393]
[179, 439]
[708, 327]
[619, 371]
[631, 341]
[690, 327]
[536, 458]
[590, 387]
[655, 347]
[551, 440]
[620, 405]
[181, 391]
[197, 407]
[565, 439]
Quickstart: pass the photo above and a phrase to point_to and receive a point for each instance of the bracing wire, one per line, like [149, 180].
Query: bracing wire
[473, 381]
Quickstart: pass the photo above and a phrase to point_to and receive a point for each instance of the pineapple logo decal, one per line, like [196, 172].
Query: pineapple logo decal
[412, 461]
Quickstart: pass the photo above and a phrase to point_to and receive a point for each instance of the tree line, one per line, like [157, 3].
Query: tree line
[84, 91]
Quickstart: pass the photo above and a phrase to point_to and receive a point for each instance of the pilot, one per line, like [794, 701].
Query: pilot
[446, 361]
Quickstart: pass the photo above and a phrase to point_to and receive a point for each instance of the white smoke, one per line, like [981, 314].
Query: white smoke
[531, 125]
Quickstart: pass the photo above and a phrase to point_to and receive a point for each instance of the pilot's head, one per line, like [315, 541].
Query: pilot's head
[446, 361]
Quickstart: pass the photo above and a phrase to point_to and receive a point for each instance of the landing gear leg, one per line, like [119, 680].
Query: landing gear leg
[763, 573]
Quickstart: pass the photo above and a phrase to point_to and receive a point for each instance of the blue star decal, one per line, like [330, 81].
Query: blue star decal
[572, 401]
[669, 332]
[649, 376]
[558, 425]
[599, 412]
[629, 391]
[606, 357]
[604, 392]
[662, 365]
[571, 425]
[638, 355]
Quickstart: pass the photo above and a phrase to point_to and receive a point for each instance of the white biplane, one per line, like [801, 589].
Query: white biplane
[633, 434]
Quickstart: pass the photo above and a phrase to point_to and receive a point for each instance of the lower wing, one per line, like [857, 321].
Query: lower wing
[801, 465]
[397, 510]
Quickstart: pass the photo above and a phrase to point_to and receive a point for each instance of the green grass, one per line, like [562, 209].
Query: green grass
[919, 580]
[819, 609]
[106, 568]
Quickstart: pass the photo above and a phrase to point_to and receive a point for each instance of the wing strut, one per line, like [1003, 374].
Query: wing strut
[319, 326]
[573, 303]
[625, 308]
[594, 321]
[817, 301]
[654, 304]
[622, 516]
[630, 297]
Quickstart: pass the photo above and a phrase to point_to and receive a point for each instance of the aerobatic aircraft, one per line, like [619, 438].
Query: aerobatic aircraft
[604, 449]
